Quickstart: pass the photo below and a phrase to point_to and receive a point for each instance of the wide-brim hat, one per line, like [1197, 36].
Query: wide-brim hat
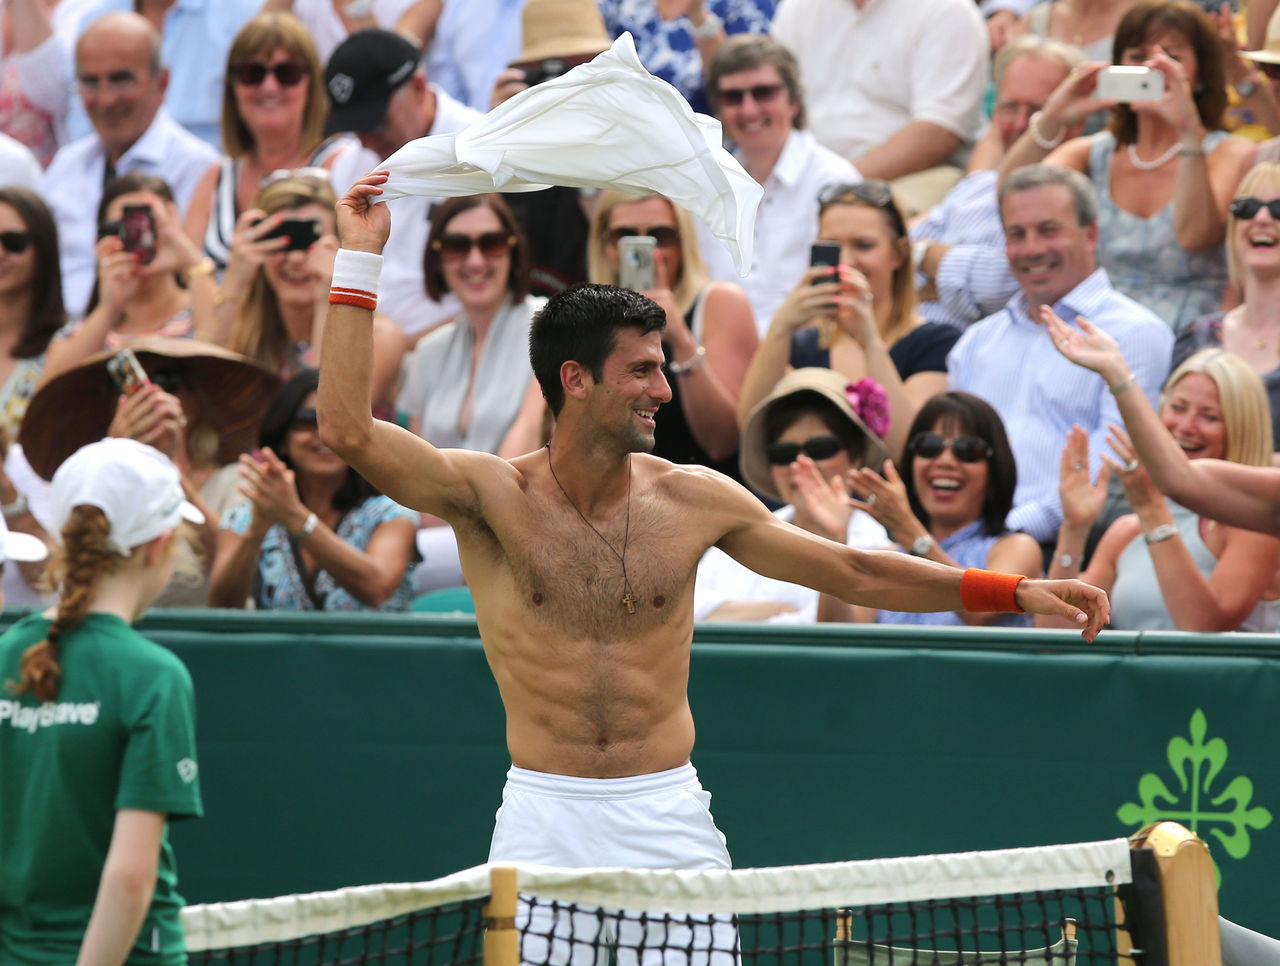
[231, 392]
[1270, 51]
[830, 385]
[363, 72]
[562, 28]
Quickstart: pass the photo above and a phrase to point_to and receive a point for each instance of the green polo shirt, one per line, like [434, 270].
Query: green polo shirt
[121, 734]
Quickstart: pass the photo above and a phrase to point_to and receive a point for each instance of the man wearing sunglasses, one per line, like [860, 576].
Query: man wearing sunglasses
[378, 91]
[122, 83]
[754, 87]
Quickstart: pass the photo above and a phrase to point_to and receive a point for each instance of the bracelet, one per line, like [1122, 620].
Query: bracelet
[308, 527]
[710, 27]
[222, 298]
[355, 279]
[1048, 144]
[985, 591]
[1161, 533]
[15, 509]
[692, 364]
[1123, 384]
[201, 269]
[1191, 151]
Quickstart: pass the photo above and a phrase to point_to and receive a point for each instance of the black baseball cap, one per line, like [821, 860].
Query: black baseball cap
[362, 74]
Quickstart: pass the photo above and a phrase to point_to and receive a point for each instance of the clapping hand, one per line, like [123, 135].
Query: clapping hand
[825, 502]
[269, 485]
[1138, 485]
[885, 499]
[1082, 500]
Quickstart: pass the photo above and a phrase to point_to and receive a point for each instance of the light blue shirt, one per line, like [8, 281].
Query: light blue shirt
[974, 278]
[1009, 361]
[197, 37]
[475, 41]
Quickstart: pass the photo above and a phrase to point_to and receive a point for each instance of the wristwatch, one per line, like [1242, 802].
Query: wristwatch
[921, 545]
[919, 249]
[1247, 87]
[1065, 560]
[1163, 532]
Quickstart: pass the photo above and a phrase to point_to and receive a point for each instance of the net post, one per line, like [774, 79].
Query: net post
[501, 938]
[1188, 893]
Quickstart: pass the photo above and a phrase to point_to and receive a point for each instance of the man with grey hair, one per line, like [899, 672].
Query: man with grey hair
[122, 83]
[958, 248]
[1050, 219]
[754, 86]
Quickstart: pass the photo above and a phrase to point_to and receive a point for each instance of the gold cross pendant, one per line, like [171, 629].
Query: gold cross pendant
[629, 599]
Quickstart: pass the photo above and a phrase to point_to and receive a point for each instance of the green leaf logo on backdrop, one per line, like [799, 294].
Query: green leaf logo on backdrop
[1225, 814]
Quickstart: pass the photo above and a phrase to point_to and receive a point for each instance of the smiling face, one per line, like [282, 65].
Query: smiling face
[759, 126]
[1049, 251]
[625, 400]
[805, 428]
[479, 280]
[17, 269]
[308, 456]
[290, 274]
[121, 94]
[1193, 415]
[866, 243]
[950, 491]
[1256, 240]
[271, 106]
[1025, 85]
[641, 217]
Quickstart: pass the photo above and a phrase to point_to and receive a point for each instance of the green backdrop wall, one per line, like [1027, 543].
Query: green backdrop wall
[342, 750]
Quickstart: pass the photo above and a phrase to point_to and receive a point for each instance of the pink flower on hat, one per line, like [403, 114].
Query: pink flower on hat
[871, 403]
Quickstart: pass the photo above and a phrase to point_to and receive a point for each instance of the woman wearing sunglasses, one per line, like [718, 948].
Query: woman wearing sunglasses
[313, 534]
[273, 111]
[859, 320]
[1252, 329]
[951, 499]
[710, 334]
[799, 446]
[31, 309]
[1164, 567]
[278, 287]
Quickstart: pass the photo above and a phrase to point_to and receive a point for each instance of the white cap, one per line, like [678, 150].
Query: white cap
[135, 485]
[20, 546]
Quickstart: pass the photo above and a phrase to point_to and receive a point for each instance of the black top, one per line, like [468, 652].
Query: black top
[923, 349]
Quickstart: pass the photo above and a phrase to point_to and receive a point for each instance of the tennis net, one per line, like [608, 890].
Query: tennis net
[1095, 903]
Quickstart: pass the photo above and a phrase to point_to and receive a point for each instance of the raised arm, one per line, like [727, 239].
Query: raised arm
[1243, 496]
[403, 466]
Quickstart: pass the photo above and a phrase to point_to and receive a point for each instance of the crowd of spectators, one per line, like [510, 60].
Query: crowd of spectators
[168, 178]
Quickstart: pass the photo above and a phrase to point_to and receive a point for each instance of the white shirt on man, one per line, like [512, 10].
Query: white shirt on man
[786, 224]
[867, 73]
[73, 190]
[402, 292]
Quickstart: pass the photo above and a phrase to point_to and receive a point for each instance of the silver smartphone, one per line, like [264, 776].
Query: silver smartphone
[1126, 84]
[635, 262]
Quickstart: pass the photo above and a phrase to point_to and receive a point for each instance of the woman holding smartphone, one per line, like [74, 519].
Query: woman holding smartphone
[99, 752]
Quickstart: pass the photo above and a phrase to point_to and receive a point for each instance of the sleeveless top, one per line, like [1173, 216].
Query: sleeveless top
[969, 547]
[1038, 24]
[923, 349]
[1136, 601]
[224, 211]
[1142, 256]
[674, 440]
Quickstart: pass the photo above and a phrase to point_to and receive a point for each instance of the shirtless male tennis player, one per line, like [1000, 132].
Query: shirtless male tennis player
[581, 559]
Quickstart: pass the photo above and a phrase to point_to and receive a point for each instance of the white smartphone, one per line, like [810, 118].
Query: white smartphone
[635, 262]
[1126, 84]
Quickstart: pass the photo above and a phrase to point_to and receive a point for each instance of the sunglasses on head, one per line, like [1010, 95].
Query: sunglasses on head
[305, 419]
[664, 235]
[284, 174]
[491, 244]
[760, 93]
[967, 449]
[817, 448]
[252, 73]
[874, 193]
[15, 242]
[1247, 208]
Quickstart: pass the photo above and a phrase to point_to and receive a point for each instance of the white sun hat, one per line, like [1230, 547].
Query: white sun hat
[137, 488]
[20, 546]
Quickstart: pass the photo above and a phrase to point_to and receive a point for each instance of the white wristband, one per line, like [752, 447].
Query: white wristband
[355, 278]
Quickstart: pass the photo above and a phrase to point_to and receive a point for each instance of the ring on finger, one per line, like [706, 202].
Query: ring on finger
[1078, 467]
[1131, 465]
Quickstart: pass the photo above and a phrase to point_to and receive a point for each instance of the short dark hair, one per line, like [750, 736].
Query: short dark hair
[48, 313]
[748, 51]
[445, 212]
[967, 414]
[1186, 18]
[786, 411]
[124, 185]
[1084, 197]
[581, 325]
[277, 422]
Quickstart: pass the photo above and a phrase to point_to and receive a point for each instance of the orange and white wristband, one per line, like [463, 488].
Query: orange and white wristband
[985, 591]
[355, 279]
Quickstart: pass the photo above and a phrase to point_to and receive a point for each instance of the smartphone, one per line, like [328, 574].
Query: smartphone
[1126, 84]
[138, 232]
[826, 254]
[301, 232]
[127, 372]
[635, 262]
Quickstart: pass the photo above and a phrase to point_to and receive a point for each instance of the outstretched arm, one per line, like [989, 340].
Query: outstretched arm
[1243, 496]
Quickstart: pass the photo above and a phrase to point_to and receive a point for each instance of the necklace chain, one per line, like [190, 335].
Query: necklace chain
[628, 598]
[1155, 163]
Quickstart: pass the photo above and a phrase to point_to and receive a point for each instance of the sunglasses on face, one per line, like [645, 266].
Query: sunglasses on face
[967, 449]
[305, 419]
[170, 380]
[664, 235]
[491, 244]
[817, 448]
[760, 93]
[253, 72]
[15, 242]
[1247, 208]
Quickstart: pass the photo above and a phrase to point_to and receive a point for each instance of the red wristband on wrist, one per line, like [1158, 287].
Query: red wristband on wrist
[985, 591]
[353, 296]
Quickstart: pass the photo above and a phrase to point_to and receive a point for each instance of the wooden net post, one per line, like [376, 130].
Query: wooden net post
[1188, 895]
[501, 938]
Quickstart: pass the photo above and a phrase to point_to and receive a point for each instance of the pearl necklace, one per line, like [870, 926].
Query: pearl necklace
[1158, 162]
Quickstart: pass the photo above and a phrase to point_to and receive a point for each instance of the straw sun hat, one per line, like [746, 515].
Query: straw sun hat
[562, 28]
